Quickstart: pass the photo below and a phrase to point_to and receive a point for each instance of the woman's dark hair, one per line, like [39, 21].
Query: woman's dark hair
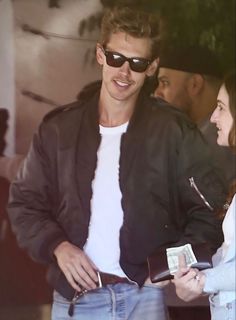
[230, 86]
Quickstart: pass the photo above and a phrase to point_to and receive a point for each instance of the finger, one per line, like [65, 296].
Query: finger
[191, 275]
[182, 261]
[185, 276]
[182, 266]
[87, 269]
[90, 268]
[71, 280]
[82, 277]
[84, 270]
[87, 281]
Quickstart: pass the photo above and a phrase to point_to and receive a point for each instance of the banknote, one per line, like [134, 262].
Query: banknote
[172, 256]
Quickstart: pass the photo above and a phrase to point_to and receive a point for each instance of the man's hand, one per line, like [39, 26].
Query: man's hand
[78, 269]
[189, 282]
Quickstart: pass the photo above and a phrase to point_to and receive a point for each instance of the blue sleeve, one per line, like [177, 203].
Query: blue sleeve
[220, 278]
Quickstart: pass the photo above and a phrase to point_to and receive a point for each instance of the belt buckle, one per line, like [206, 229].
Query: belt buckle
[99, 280]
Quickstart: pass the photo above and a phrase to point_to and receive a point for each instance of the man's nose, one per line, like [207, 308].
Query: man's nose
[125, 68]
[158, 92]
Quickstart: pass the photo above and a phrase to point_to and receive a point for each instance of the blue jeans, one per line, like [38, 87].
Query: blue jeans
[114, 302]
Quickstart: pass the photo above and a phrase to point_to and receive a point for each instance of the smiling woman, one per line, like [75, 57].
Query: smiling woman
[218, 282]
[224, 114]
[222, 117]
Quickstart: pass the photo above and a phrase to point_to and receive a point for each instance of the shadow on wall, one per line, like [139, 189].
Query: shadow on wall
[3, 128]
[8, 165]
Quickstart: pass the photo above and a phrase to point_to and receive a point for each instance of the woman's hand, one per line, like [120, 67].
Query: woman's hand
[189, 282]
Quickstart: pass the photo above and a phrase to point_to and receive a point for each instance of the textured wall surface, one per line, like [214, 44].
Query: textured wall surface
[52, 67]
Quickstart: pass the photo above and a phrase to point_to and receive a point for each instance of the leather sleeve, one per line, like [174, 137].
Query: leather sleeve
[32, 196]
[201, 190]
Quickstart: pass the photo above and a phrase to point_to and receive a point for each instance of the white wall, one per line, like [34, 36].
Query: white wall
[54, 68]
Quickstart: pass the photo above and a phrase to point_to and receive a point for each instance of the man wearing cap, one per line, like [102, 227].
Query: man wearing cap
[190, 78]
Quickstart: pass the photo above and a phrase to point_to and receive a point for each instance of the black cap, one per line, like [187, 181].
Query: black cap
[194, 59]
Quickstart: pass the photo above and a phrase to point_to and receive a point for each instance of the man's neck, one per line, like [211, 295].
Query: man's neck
[201, 109]
[113, 112]
[197, 115]
[203, 104]
[115, 119]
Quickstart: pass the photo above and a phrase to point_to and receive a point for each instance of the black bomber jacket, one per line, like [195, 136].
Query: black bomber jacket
[164, 161]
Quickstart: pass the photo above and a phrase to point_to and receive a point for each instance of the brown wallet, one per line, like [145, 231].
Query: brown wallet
[158, 265]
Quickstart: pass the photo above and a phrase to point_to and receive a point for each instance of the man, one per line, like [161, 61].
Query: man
[189, 78]
[107, 181]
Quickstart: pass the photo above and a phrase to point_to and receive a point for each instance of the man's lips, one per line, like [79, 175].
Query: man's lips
[122, 83]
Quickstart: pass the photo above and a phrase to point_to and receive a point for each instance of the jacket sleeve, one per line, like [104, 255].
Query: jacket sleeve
[201, 190]
[220, 278]
[32, 196]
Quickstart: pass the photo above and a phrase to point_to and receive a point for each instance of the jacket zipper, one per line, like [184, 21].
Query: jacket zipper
[194, 186]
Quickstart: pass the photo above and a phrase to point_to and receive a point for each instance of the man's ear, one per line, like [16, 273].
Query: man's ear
[152, 68]
[99, 54]
[196, 83]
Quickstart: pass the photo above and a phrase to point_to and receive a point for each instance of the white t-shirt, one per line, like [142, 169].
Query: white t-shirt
[102, 245]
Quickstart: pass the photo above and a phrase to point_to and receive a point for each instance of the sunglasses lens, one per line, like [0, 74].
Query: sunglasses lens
[139, 65]
[114, 59]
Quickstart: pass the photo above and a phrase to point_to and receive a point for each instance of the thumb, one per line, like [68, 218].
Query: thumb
[182, 261]
[182, 266]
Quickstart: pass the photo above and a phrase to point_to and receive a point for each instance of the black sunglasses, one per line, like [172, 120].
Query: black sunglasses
[116, 60]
